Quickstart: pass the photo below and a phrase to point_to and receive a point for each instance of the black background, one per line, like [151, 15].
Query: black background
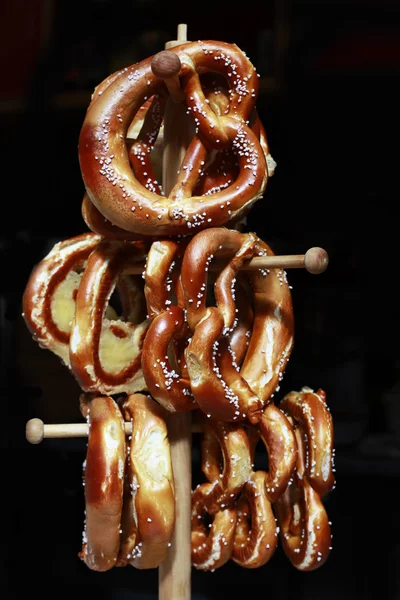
[329, 103]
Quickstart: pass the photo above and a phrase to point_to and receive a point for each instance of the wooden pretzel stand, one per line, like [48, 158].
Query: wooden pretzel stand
[175, 571]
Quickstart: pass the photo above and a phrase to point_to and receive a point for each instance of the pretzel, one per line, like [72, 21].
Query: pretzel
[278, 436]
[105, 354]
[256, 534]
[148, 515]
[108, 178]
[162, 365]
[226, 461]
[220, 389]
[312, 416]
[103, 479]
[49, 296]
[304, 525]
[211, 545]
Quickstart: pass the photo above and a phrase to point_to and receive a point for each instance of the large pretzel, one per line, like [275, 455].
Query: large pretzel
[304, 525]
[148, 514]
[104, 159]
[104, 470]
[220, 389]
[105, 354]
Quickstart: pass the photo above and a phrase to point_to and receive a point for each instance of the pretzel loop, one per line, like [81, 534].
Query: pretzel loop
[301, 514]
[148, 513]
[104, 470]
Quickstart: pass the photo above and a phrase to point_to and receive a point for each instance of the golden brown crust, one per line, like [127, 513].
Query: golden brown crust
[103, 476]
[149, 502]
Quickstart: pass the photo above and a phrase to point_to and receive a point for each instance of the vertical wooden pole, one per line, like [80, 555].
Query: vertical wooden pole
[175, 572]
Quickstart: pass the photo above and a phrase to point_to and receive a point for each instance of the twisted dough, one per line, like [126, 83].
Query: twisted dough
[211, 545]
[163, 370]
[221, 389]
[148, 516]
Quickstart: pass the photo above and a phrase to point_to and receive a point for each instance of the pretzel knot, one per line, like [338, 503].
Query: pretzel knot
[304, 525]
[224, 390]
[114, 179]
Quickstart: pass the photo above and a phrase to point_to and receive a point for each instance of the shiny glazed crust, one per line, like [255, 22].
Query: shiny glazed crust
[104, 469]
[148, 518]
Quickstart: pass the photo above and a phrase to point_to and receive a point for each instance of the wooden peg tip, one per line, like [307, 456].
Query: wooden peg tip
[316, 260]
[166, 64]
[34, 431]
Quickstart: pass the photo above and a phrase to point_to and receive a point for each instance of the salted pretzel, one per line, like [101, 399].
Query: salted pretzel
[49, 296]
[304, 525]
[278, 437]
[226, 461]
[212, 543]
[219, 388]
[105, 354]
[104, 158]
[148, 514]
[103, 469]
[256, 533]
[313, 418]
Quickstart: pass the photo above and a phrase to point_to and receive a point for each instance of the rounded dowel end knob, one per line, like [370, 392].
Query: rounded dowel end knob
[166, 64]
[316, 260]
[34, 431]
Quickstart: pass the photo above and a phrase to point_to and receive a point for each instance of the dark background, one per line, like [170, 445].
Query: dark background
[329, 103]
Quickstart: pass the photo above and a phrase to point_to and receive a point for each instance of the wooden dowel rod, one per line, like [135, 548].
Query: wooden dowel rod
[174, 573]
[36, 430]
[315, 261]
